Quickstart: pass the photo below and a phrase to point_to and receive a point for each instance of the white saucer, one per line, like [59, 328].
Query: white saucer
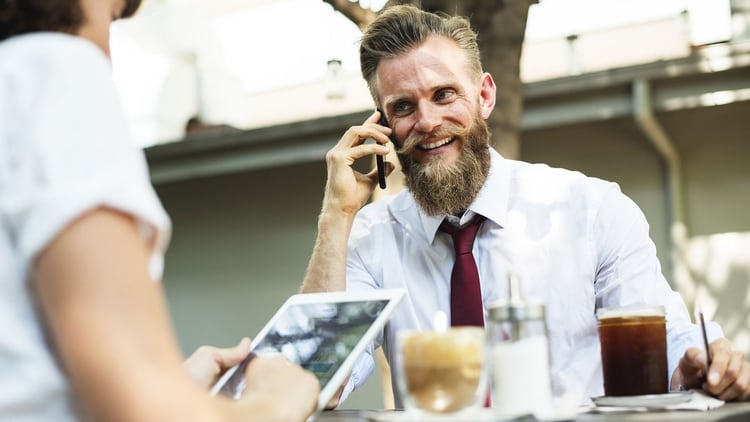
[650, 401]
[469, 415]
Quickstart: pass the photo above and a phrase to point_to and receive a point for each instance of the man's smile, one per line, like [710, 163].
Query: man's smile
[436, 144]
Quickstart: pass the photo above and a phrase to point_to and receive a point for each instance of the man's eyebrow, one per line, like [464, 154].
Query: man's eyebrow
[399, 98]
[395, 100]
[454, 85]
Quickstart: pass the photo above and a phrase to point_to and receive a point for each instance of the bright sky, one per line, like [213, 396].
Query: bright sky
[314, 32]
[554, 18]
[264, 45]
[559, 18]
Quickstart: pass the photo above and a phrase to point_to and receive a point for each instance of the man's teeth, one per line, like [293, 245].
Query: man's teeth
[435, 144]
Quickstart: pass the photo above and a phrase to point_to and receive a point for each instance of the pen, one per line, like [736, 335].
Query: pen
[705, 336]
[705, 342]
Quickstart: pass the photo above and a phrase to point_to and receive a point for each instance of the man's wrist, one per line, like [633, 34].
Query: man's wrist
[336, 216]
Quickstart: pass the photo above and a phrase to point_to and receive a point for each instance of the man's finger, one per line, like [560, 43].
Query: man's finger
[694, 362]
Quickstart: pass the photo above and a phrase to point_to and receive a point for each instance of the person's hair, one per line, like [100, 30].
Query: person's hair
[24, 16]
[399, 29]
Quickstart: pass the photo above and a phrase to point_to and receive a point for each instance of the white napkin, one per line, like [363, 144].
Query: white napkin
[699, 401]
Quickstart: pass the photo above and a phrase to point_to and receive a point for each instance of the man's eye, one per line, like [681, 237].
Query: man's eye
[444, 95]
[401, 108]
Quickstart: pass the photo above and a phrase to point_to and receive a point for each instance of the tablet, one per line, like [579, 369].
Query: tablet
[324, 333]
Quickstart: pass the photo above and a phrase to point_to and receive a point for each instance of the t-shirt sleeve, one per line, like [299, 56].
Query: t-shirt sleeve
[70, 151]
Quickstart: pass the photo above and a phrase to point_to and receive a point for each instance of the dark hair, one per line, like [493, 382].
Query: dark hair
[398, 29]
[23, 16]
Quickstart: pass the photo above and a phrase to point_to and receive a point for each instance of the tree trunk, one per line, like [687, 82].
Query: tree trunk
[501, 25]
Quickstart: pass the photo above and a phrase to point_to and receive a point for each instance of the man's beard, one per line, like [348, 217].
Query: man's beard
[449, 188]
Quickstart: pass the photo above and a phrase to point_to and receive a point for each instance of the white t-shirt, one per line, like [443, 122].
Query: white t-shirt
[64, 150]
[576, 243]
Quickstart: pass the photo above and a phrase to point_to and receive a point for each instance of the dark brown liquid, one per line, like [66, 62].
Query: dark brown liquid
[634, 355]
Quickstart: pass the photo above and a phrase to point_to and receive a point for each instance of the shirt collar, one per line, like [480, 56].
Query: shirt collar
[491, 202]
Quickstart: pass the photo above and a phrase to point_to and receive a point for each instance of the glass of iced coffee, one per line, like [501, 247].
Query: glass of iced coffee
[633, 350]
[441, 371]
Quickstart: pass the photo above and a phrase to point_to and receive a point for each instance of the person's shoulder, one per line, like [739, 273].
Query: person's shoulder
[541, 172]
[43, 51]
[385, 210]
[377, 209]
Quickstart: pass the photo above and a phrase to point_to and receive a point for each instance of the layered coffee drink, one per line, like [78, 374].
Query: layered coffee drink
[441, 372]
[633, 350]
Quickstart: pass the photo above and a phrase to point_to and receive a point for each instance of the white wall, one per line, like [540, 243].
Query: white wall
[240, 247]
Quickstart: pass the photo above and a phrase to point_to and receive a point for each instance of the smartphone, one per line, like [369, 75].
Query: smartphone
[379, 158]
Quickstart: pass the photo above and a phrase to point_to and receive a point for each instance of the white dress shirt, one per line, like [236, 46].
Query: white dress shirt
[577, 243]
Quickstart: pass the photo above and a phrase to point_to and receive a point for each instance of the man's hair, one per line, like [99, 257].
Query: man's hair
[399, 29]
[24, 16]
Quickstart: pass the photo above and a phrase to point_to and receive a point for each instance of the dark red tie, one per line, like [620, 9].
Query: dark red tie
[466, 293]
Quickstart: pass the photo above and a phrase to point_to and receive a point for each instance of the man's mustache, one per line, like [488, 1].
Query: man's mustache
[411, 142]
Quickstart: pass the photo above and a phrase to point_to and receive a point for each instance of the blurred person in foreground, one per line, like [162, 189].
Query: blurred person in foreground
[85, 328]
[577, 243]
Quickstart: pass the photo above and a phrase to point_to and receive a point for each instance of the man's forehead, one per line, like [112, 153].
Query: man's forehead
[420, 71]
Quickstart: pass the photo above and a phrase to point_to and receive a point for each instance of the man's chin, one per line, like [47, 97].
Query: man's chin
[429, 161]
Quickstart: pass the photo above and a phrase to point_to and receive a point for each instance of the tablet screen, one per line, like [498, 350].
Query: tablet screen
[319, 336]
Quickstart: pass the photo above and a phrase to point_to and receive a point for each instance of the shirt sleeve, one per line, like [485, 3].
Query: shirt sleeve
[629, 273]
[359, 278]
[362, 370]
[71, 151]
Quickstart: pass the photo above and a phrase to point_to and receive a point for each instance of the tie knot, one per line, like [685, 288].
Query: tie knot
[463, 237]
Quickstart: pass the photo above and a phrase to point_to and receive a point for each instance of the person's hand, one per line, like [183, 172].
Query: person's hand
[346, 189]
[207, 363]
[292, 392]
[346, 192]
[728, 377]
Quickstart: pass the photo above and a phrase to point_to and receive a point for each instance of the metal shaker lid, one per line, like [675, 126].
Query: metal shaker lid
[515, 308]
[510, 310]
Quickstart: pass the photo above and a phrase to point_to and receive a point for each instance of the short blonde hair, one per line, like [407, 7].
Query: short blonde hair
[399, 29]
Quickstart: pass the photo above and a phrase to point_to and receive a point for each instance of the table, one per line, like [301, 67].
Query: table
[730, 412]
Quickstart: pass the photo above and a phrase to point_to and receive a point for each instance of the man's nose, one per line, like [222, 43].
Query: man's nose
[428, 117]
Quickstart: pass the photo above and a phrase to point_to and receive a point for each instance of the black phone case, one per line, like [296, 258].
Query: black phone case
[379, 158]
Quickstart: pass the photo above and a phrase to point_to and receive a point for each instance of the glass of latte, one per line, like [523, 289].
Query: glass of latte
[441, 372]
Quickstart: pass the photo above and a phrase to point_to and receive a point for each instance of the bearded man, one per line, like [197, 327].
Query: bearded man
[574, 242]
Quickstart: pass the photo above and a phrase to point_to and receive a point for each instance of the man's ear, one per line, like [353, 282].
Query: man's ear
[487, 93]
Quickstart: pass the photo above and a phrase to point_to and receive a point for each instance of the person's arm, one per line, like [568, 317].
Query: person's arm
[346, 192]
[629, 273]
[109, 325]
